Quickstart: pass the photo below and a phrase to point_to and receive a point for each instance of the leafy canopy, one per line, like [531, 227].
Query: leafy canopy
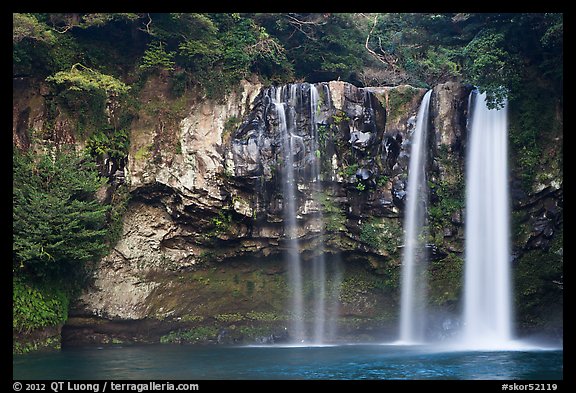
[81, 78]
[58, 225]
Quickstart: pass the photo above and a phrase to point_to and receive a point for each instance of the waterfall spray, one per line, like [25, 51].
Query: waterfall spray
[413, 311]
[487, 296]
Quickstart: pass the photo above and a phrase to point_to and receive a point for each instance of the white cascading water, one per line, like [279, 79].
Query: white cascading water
[319, 262]
[487, 283]
[289, 187]
[412, 302]
[287, 102]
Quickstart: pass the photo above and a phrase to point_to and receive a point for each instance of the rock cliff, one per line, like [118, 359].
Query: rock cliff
[200, 255]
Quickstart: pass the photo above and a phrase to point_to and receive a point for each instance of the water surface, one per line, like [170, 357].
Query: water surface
[350, 362]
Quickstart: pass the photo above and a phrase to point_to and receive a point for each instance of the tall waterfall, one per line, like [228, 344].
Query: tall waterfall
[412, 304]
[487, 297]
[319, 262]
[312, 323]
[289, 188]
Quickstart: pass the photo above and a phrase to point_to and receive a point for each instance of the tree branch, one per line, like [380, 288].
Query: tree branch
[366, 45]
[147, 24]
[298, 24]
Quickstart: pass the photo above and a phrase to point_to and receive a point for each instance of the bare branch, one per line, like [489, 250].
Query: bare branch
[385, 57]
[304, 22]
[147, 25]
[64, 30]
[299, 25]
[268, 46]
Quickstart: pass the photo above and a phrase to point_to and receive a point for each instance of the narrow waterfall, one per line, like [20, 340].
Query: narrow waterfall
[289, 188]
[314, 284]
[319, 261]
[487, 281]
[412, 304]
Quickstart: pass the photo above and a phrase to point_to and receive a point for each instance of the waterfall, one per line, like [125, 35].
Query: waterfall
[319, 261]
[313, 306]
[289, 188]
[412, 304]
[487, 281]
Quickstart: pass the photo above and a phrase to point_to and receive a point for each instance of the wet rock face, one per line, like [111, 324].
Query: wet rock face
[220, 198]
[340, 132]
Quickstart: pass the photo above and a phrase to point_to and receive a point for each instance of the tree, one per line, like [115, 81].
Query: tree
[58, 225]
[26, 26]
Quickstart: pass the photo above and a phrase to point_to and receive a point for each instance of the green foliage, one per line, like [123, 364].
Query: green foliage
[221, 222]
[118, 207]
[84, 93]
[347, 171]
[339, 117]
[109, 142]
[398, 99]
[382, 181]
[156, 57]
[36, 306]
[58, 226]
[89, 80]
[37, 51]
[538, 295]
[381, 234]
[533, 127]
[492, 67]
[369, 234]
[334, 217]
[199, 334]
[321, 47]
[446, 280]
[214, 50]
[449, 199]
[27, 26]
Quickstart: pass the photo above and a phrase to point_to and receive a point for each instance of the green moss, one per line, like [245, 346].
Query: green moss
[192, 318]
[382, 234]
[50, 343]
[399, 99]
[445, 281]
[201, 334]
[334, 217]
[538, 277]
[448, 199]
[360, 283]
[231, 125]
[251, 333]
[144, 153]
[262, 316]
[534, 129]
[235, 317]
[339, 117]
